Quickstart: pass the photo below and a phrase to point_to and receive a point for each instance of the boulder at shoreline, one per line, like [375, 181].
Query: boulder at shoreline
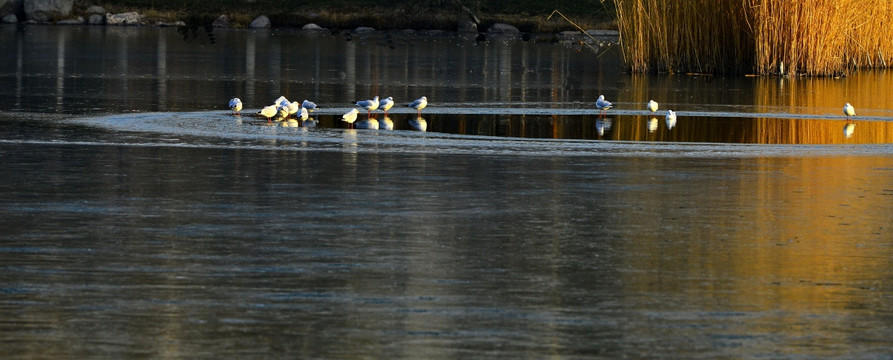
[43, 11]
[500, 28]
[128, 18]
[261, 22]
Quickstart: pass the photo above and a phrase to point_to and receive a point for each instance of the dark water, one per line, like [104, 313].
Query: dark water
[140, 220]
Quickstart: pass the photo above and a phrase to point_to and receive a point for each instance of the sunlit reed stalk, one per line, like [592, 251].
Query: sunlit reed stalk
[812, 37]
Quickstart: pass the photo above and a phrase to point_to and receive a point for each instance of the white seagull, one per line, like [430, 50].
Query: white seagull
[369, 105]
[849, 110]
[303, 114]
[350, 116]
[652, 105]
[269, 112]
[309, 105]
[293, 108]
[419, 104]
[235, 105]
[280, 101]
[603, 104]
[671, 119]
[386, 104]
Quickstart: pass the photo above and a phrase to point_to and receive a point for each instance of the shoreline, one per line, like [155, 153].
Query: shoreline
[334, 20]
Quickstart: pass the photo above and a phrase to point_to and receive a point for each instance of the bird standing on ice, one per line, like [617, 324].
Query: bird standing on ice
[603, 104]
[350, 116]
[369, 105]
[671, 119]
[235, 105]
[419, 104]
[652, 105]
[309, 105]
[269, 112]
[293, 108]
[386, 104]
[849, 110]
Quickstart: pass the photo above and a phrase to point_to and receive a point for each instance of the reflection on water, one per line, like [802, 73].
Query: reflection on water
[128, 69]
[193, 233]
[126, 251]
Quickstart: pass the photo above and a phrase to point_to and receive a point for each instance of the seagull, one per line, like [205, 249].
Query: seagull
[293, 108]
[350, 116]
[269, 112]
[309, 105]
[849, 110]
[369, 105]
[652, 105]
[280, 101]
[283, 112]
[303, 114]
[419, 104]
[386, 104]
[603, 104]
[235, 105]
[671, 119]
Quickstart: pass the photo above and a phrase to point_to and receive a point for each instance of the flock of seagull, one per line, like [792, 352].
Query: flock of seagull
[652, 105]
[283, 109]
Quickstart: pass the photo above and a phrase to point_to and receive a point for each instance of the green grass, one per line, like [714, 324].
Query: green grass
[527, 15]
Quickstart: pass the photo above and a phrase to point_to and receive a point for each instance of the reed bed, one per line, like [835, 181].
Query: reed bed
[812, 37]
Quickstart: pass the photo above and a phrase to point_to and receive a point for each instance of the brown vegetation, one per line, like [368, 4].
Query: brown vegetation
[812, 37]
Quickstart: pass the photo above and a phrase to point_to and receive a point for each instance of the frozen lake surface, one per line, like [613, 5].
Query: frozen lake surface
[140, 219]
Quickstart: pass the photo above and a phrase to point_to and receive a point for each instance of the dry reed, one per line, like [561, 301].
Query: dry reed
[813, 37]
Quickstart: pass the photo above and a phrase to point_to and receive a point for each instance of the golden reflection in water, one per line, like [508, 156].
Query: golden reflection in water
[788, 234]
[865, 90]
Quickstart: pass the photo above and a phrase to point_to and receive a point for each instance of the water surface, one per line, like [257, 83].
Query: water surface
[140, 219]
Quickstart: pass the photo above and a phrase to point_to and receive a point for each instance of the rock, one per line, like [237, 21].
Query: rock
[96, 19]
[171, 24]
[500, 28]
[261, 22]
[46, 10]
[8, 7]
[364, 29]
[128, 18]
[603, 32]
[221, 22]
[10, 19]
[78, 21]
[12, 7]
[95, 9]
[467, 26]
[312, 26]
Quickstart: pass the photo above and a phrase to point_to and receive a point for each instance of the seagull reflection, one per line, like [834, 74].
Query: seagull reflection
[848, 129]
[386, 123]
[671, 119]
[601, 125]
[419, 124]
[652, 125]
[369, 124]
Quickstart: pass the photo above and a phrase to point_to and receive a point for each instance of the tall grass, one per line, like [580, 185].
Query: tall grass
[813, 37]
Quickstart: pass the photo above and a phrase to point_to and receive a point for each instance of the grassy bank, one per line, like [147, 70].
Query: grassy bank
[811, 37]
[527, 15]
